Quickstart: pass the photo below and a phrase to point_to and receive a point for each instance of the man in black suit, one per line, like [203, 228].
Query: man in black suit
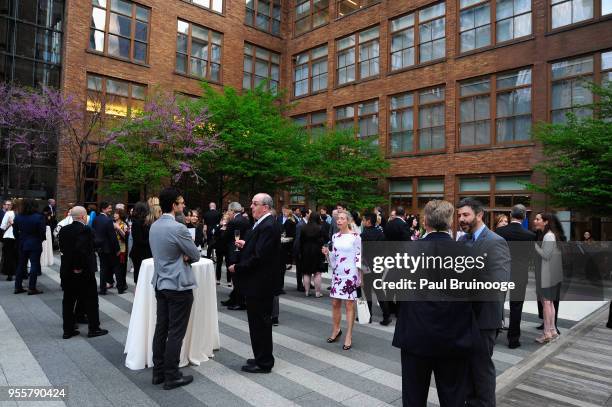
[78, 274]
[522, 255]
[108, 249]
[212, 217]
[305, 213]
[397, 230]
[257, 273]
[489, 314]
[436, 336]
[237, 223]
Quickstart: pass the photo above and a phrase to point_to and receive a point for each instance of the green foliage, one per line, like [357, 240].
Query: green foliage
[578, 163]
[339, 167]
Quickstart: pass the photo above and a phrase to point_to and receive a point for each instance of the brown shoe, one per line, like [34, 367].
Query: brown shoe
[34, 291]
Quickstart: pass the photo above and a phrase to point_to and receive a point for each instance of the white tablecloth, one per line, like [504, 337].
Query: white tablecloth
[202, 331]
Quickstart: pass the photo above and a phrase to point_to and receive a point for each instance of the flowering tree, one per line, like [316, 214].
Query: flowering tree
[162, 142]
[37, 121]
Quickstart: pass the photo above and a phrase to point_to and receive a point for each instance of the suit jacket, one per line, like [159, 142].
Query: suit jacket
[170, 241]
[140, 240]
[29, 230]
[258, 269]
[76, 243]
[238, 223]
[397, 230]
[490, 314]
[106, 238]
[211, 218]
[522, 254]
[436, 328]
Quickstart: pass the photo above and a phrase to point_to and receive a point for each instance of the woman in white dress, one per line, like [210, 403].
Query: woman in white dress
[551, 272]
[345, 261]
[9, 244]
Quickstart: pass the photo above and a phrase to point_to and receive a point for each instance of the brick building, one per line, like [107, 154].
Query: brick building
[452, 88]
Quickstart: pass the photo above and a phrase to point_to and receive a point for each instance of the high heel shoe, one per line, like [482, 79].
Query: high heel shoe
[347, 347]
[543, 339]
[335, 338]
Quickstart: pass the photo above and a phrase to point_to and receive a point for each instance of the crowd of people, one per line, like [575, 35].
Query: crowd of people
[257, 246]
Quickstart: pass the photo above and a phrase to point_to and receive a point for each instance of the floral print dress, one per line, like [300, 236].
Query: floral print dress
[345, 260]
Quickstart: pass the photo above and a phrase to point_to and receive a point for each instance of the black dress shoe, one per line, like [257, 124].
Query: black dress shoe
[158, 379]
[301, 289]
[251, 362]
[19, 291]
[227, 303]
[35, 291]
[9, 278]
[97, 332]
[70, 334]
[514, 345]
[254, 369]
[385, 321]
[173, 384]
[122, 291]
[275, 321]
[236, 307]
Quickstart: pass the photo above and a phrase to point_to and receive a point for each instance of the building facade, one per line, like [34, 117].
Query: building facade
[452, 88]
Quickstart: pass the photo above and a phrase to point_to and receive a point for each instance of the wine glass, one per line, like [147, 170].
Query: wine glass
[236, 238]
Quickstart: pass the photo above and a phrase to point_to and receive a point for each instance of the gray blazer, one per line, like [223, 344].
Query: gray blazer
[490, 314]
[169, 241]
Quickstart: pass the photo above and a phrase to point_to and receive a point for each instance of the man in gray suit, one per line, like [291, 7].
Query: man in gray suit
[489, 315]
[173, 252]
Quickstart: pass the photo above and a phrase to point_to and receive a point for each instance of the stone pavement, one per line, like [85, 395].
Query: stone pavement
[308, 371]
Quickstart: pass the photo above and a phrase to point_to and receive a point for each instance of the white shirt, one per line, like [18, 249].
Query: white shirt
[260, 219]
[8, 216]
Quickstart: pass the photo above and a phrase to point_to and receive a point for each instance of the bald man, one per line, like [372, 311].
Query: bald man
[77, 272]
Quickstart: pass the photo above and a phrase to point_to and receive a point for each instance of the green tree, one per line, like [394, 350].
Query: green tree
[339, 167]
[261, 148]
[578, 158]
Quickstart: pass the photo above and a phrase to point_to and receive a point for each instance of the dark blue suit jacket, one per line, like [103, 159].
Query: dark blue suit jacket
[436, 328]
[106, 238]
[29, 231]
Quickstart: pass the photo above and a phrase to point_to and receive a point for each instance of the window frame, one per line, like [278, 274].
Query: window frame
[222, 12]
[256, 12]
[209, 47]
[311, 14]
[597, 16]
[492, 93]
[361, 8]
[414, 194]
[133, 19]
[103, 94]
[254, 60]
[416, 133]
[310, 75]
[310, 127]
[357, 63]
[356, 117]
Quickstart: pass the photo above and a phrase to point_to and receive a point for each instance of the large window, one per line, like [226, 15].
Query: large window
[310, 14]
[503, 99]
[314, 123]
[215, 5]
[566, 12]
[362, 47]
[264, 15]
[113, 96]
[418, 37]
[512, 20]
[120, 28]
[365, 122]
[416, 121]
[198, 51]
[260, 65]
[345, 7]
[569, 88]
[413, 194]
[310, 72]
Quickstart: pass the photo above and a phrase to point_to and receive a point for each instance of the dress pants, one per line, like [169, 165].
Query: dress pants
[514, 330]
[481, 389]
[109, 266]
[9, 256]
[22, 268]
[219, 266]
[173, 310]
[80, 295]
[299, 275]
[451, 379]
[136, 262]
[259, 311]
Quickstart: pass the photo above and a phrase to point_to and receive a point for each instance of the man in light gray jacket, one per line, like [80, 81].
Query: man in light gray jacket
[173, 252]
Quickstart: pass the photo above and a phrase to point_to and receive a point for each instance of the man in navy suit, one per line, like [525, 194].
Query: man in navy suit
[397, 230]
[436, 336]
[522, 254]
[489, 314]
[258, 275]
[108, 249]
[29, 230]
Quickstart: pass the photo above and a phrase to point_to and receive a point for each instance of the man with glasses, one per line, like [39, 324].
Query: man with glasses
[173, 252]
[258, 274]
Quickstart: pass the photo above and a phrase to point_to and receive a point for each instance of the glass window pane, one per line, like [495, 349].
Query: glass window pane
[402, 22]
[96, 40]
[199, 32]
[482, 15]
[606, 7]
[400, 186]
[434, 11]
[504, 9]
[483, 36]
[476, 184]
[98, 18]
[606, 60]
[368, 35]
[346, 42]
[572, 67]
[475, 87]
[140, 51]
[431, 95]
[511, 183]
[183, 27]
[522, 25]
[141, 31]
[505, 30]
[94, 83]
[400, 101]
[582, 10]
[430, 185]
[562, 14]
[466, 110]
[118, 46]
[319, 52]
[481, 111]
[119, 24]
[138, 92]
[121, 6]
[217, 5]
[181, 63]
[142, 13]
[116, 87]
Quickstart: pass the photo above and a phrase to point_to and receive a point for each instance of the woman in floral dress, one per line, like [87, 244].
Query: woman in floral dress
[345, 260]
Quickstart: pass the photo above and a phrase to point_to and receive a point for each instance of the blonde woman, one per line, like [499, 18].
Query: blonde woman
[154, 210]
[345, 260]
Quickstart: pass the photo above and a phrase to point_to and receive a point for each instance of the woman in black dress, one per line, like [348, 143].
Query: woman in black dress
[311, 258]
[140, 237]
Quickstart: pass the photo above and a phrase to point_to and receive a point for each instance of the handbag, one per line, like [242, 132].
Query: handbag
[363, 312]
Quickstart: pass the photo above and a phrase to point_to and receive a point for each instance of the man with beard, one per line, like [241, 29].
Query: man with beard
[489, 314]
